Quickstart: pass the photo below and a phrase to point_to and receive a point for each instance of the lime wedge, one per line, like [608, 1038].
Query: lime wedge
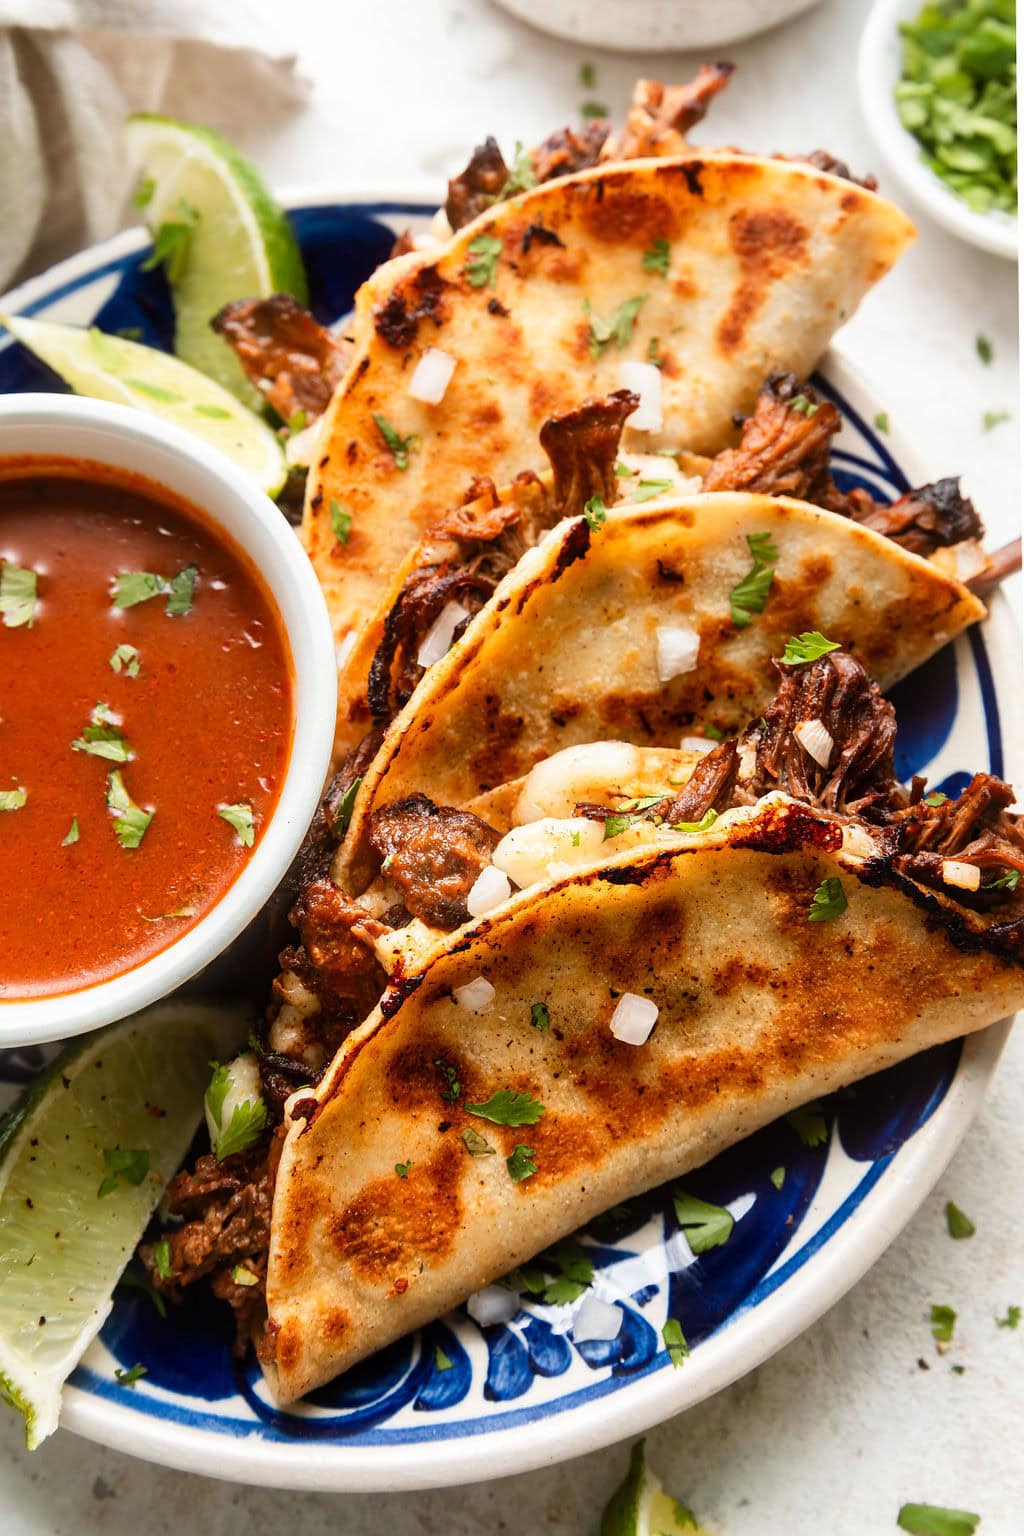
[641, 1507]
[134, 1089]
[232, 239]
[112, 368]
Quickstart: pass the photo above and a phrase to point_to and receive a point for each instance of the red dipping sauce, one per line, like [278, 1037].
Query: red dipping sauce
[200, 710]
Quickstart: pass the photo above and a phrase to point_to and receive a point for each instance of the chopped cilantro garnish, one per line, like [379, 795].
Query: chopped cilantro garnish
[675, 1342]
[750, 595]
[957, 1224]
[540, 1016]
[807, 647]
[648, 489]
[576, 839]
[588, 76]
[707, 820]
[614, 825]
[706, 1226]
[1010, 1319]
[102, 737]
[343, 815]
[477, 1145]
[943, 1321]
[130, 821]
[125, 658]
[829, 901]
[171, 242]
[508, 1108]
[132, 587]
[241, 818]
[777, 1177]
[595, 512]
[762, 547]
[985, 349]
[162, 1258]
[993, 419]
[575, 1272]
[400, 446]
[591, 109]
[341, 521]
[521, 1164]
[802, 405]
[441, 1360]
[18, 596]
[13, 799]
[402, 1169]
[244, 1128]
[520, 178]
[452, 1087]
[936, 798]
[143, 1283]
[72, 835]
[124, 1166]
[1007, 882]
[182, 586]
[809, 1124]
[882, 421]
[130, 1377]
[656, 258]
[482, 267]
[618, 326]
[934, 1520]
[713, 733]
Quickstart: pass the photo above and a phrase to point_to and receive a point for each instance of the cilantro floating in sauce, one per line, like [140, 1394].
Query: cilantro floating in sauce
[957, 1224]
[829, 901]
[934, 1520]
[123, 1166]
[809, 1124]
[807, 647]
[521, 1164]
[482, 267]
[341, 521]
[706, 1226]
[73, 834]
[675, 1342]
[180, 590]
[18, 595]
[475, 1144]
[132, 587]
[507, 1108]
[130, 1377]
[596, 513]
[102, 737]
[343, 815]
[400, 446]
[171, 243]
[617, 328]
[125, 658]
[540, 1016]
[943, 1321]
[130, 821]
[656, 258]
[241, 818]
[750, 595]
[13, 799]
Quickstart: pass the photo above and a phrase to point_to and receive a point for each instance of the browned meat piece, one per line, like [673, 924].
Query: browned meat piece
[286, 353]
[281, 1075]
[835, 690]
[478, 186]
[661, 115]
[784, 446]
[1002, 562]
[395, 670]
[710, 788]
[570, 149]
[923, 520]
[582, 446]
[823, 161]
[433, 854]
[337, 942]
[403, 244]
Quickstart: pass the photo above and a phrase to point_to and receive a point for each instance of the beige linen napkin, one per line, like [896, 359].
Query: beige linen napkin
[72, 70]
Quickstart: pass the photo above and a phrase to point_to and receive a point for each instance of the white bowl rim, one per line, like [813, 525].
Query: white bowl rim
[877, 73]
[302, 612]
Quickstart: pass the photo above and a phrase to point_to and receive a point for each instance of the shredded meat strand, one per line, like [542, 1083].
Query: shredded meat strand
[287, 354]
[660, 116]
[433, 854]
[821, 160]
[923, 520]
[709, 789]
[478, 186]
[569, 150]
[582, 446]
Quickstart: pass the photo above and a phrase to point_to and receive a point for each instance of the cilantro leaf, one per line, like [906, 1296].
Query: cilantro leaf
[985, 349]
[217, 1092]
[508, 1108]
[992, 419]
[240, 817]
[802, 405]
[343, 815]
[1010, 1319]
[341, 521]
[402, 1169]
[18, 595]
[713, 733]
[482, 267]
[943, 1320]
[614, 825]
[656, 258]
[130, 821]
[400, 446]
[654, 353]
[125, 658]
[124, 1166]
[588, 76]
[522, 175]
[957, 1224]
[591, 109]
[102, 737]
[1007, 882]
[617, 327]
[180, 590]
[882, 421]
[162, 1258]
[675, 1342]
[750, 595]
[13, 799]
[477, 1145]
[540, 1016]
[244, 1128]
[132, 587]
[706, 1226]
[777, 1177]
[707, 820]
[441, 1360]
[648, 489]
[130, 1377]
[829, 901]
[72, 834]
[933, 1520]
[807, 647]
[526, 1278]
[560, 1291]
[452, 1087]
[171, 242]
[810, 1125]
[596, 513]
[521, 1164]
[762, 548]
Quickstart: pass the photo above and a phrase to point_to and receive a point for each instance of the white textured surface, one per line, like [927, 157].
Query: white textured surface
[843, 1426]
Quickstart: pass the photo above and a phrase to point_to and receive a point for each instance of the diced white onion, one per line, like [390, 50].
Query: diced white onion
[300, 449]
[644, 380]
[596, 1320]
[492, 1305]
[816, 741]
[956, 872]
[438, 639]
[633, 1019]
[477, 995]
[490, 888]
[555, 786]
[697, 744]
[432, 375]
[543, 849]
[678, 646]
[748, 761]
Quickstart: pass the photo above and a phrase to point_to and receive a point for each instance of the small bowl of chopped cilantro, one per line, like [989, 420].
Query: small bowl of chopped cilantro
[938, 84]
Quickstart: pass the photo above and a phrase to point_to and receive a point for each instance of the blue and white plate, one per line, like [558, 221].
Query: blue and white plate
[521, 1394]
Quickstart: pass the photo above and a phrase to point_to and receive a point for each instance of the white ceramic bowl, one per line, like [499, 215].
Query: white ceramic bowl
[879, 67]
[634, 25]
[68, 426]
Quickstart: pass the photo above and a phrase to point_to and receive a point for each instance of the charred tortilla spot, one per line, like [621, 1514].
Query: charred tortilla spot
[628, 217]
[395, 1224]
[769, 244]
[421, 297]
[692, 172]
[496, 307]
[574, 547]
[784, 828]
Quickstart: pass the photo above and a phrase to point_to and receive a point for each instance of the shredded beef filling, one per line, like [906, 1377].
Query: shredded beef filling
[709, 789]
[433, 854]
[582, 447]
[569, 150]
[287, 354]
[660, 116]
[478, 186]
